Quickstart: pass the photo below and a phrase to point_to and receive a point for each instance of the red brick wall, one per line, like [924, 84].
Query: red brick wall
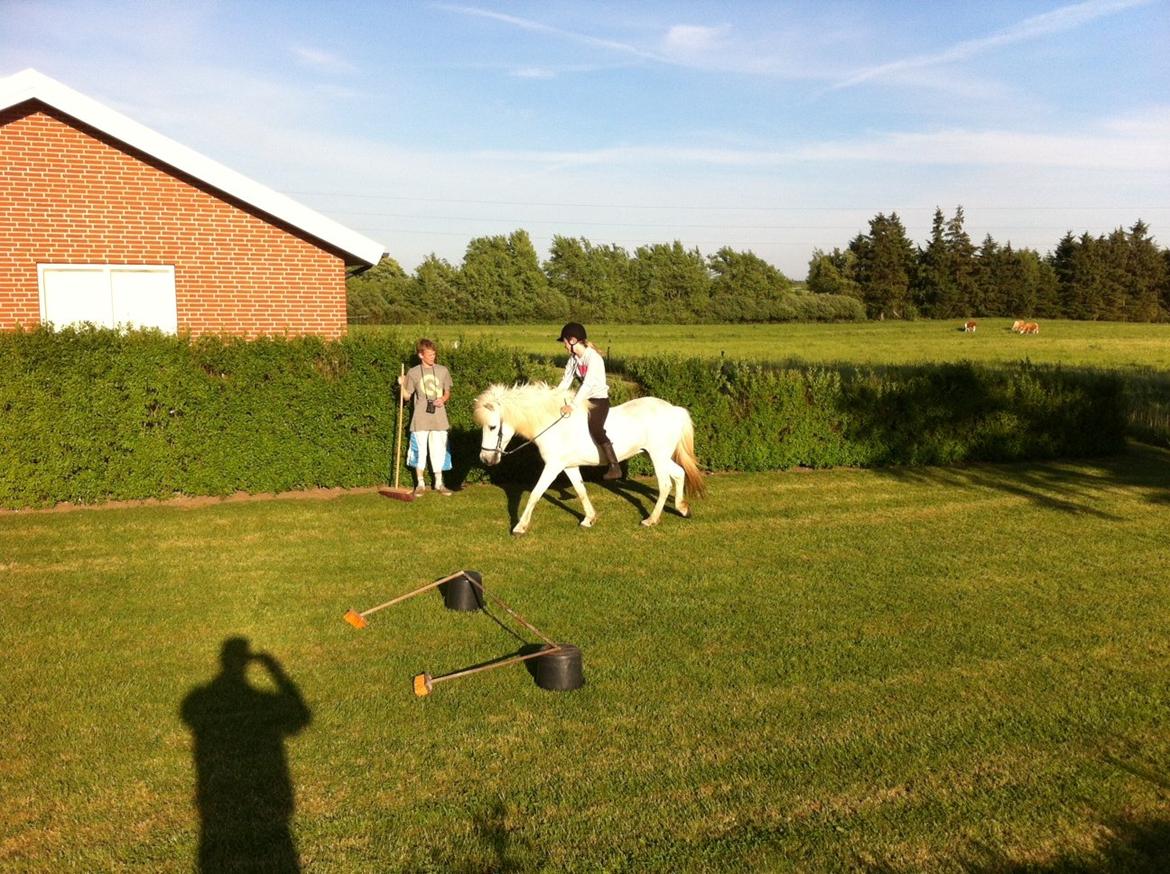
[70, 195]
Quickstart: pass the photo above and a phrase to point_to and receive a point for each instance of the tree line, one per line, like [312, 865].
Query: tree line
[1122, 276]
[502, 279]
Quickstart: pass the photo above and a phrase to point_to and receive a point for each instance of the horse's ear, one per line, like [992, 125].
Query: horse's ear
[488, 405]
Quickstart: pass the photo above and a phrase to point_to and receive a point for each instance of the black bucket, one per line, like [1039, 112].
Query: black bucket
[462, 594]
[559, 671]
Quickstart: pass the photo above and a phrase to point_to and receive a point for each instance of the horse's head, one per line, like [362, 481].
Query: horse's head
[496, 432]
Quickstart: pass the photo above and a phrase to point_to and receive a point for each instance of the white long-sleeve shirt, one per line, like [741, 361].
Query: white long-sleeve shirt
[591, 371]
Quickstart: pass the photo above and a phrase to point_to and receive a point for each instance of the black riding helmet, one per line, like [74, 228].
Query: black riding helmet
[573, 329]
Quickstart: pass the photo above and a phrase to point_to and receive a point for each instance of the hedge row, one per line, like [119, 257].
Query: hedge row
[90, 415]
[759, 417]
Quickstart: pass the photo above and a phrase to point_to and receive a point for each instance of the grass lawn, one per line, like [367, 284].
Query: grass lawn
[1096, 344]
[898, 670]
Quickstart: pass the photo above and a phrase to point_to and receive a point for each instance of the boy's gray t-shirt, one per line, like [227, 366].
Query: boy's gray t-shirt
[428, 383]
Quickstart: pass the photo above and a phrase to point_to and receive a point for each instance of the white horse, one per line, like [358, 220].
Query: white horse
[665, 432]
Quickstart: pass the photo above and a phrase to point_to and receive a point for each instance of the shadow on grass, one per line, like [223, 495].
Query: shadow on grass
[1069, 487]
[243, 787]
[1133, 845]
[503, 851]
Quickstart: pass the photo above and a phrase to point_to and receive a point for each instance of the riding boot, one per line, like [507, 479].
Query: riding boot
[615, 470]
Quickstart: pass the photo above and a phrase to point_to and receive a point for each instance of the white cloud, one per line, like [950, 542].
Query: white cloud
[533, 73]
[1119, 145]
[685, 39]
[318, 59]
[1061, 19]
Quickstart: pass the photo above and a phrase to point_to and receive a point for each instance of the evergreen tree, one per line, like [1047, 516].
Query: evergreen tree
[961, 263]
[885, 261]
[934, 292]
[1146, 275]
[994, 276]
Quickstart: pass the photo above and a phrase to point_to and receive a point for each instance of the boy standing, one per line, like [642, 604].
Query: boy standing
[430, 385]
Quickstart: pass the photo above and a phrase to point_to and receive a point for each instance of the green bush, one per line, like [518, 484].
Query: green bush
[89, 415]
[761, 417]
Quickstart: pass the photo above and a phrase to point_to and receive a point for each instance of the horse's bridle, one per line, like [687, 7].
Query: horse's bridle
[504, 453]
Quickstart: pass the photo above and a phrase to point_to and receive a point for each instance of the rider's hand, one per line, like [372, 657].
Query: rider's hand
[566, 410]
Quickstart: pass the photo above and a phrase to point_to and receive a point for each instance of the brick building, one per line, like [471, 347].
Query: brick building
[104, 220]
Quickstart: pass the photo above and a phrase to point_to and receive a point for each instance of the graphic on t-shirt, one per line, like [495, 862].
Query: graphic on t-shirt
[430, 386]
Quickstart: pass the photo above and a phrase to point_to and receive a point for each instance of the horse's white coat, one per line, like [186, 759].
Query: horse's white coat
[665, 432]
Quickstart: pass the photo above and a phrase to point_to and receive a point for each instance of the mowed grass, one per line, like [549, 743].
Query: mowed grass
[903, 670]
[1093, 344]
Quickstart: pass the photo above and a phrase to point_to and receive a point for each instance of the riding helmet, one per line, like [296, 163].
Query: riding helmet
[573, 329]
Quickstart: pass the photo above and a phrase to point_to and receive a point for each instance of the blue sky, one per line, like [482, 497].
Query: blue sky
[771, 126]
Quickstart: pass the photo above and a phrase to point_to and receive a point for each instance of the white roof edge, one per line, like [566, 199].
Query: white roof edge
[31, 85]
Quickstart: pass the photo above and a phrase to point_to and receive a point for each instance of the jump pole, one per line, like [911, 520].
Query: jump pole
[358, 620]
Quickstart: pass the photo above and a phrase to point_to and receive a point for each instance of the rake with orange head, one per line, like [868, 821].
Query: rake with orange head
[358, 620]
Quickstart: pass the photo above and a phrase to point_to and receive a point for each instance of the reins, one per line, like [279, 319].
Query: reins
[504, 453]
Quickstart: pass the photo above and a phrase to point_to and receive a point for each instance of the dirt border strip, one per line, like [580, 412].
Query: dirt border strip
[186, 502]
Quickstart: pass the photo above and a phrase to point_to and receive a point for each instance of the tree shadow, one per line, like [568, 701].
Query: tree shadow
[243, 786]
[1134, 845]
[1069, 487]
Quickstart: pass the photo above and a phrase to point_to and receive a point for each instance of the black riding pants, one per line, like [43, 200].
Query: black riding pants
[597, 414]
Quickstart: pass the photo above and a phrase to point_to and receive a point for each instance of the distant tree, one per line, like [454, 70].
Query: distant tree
[834, 273]
[1146, 276]
[885, 262]
[934, 291]
[502, 279]
[744, 287]
[382, 294]
[593, 280]
[671, 282]
[961, 262]
[440, 292]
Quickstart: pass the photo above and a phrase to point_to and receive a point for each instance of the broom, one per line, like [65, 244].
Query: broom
[398, 494]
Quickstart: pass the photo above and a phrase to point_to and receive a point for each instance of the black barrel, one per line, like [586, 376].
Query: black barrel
[560, 671]
[462, 594]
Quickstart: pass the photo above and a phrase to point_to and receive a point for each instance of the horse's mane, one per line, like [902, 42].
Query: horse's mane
[527, 408]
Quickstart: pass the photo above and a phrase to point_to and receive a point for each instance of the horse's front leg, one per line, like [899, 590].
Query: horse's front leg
[574, 475]
[546, 477]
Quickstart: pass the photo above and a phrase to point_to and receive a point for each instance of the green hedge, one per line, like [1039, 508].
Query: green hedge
[90, 415]
[761, 417]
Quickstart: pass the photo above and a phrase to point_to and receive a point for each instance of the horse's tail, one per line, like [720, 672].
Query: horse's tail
[684, 455]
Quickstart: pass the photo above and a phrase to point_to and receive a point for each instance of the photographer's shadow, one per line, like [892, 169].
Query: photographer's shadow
[243, 787]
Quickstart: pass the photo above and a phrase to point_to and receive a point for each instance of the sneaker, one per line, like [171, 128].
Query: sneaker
[418, 490]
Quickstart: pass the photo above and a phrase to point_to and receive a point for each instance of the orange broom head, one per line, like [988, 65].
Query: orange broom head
[357, 620]
[397, 494]
[422, 685]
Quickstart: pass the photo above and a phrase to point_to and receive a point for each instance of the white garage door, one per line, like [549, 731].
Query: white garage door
[108, 295]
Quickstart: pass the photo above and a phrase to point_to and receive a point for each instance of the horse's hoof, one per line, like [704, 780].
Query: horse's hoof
[587, 522]
[648, 523]
[520, 529]
[684, 510]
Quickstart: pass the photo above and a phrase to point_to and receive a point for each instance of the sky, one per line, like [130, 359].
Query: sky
[775, 127]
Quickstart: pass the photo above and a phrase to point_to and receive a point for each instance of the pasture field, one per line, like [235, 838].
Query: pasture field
[1093, 344]
[884, 670]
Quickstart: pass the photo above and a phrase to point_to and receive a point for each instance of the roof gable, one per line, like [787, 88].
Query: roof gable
[31, 85]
